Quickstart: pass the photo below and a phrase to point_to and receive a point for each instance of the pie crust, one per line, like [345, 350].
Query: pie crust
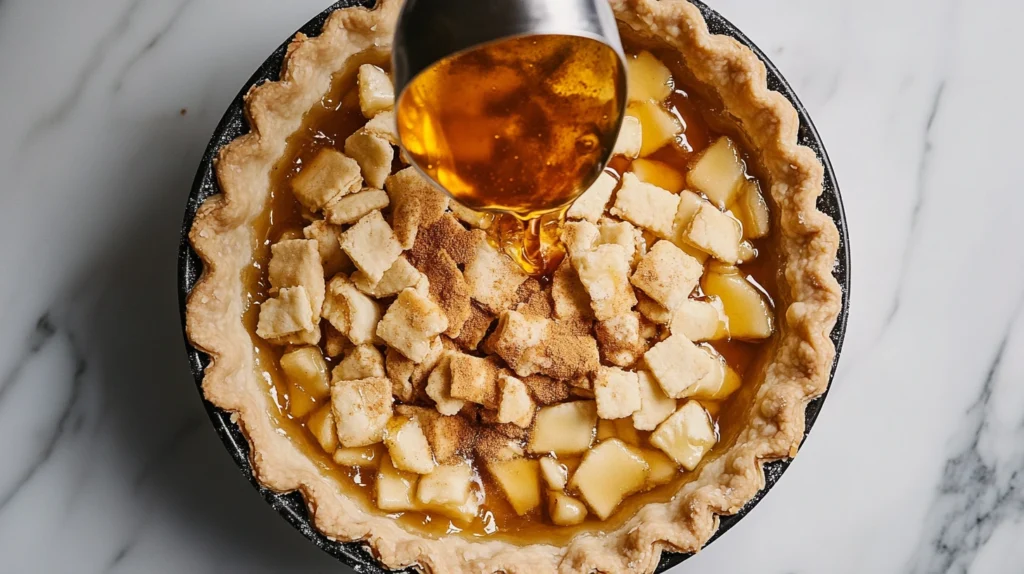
[798, 371]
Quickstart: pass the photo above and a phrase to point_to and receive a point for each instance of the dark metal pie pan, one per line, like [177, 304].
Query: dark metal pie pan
[290, 505]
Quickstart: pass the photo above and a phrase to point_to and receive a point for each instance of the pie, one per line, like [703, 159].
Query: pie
[427, 396]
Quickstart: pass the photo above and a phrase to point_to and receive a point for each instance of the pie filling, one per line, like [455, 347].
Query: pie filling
[440, 384]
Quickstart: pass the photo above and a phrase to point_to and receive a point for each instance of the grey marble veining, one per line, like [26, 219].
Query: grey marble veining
[109, 463]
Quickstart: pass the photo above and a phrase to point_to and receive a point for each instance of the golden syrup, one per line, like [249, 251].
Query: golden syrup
[520, 127]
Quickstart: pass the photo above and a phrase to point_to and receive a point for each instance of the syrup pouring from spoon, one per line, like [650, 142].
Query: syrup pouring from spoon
[512, 107]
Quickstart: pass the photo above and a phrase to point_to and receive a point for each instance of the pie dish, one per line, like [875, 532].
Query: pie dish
[797, 369]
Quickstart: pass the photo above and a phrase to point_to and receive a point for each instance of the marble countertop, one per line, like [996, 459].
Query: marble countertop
[110, 464]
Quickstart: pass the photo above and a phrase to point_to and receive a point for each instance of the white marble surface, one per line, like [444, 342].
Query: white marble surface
[109, 463]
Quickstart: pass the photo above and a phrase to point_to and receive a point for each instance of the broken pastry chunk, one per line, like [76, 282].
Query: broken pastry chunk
[353, 207]
[362, 362]
[604, 272]
[620, 233]
[329, 176]
[400, 276]
[630, 138]
[474, 380]
[328, 240]
[517, 339]
[655, 406]
[448, 288]
[493, 278]
[350, 311]
[686, 436]
[408, 377]
[699, 320]
[570, 297]
[439, 387]
[411, 324]
[617, 393]
[591, 204]
[620, 340]
[383, 126]
[545, 390]
[580, 236]
[714, 232]
[415, 203]
[376, 92]
[474, 329]
[678, 364]
[296, 263]
[667, 275]
[371, 245]
[451, 438]
[471, 217]
[374, 156]
[514, 403]
[647, 206]
[362, 409]
[285, 314]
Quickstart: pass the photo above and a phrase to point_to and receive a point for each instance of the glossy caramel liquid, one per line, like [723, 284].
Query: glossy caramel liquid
[328, 125]
[521, 127]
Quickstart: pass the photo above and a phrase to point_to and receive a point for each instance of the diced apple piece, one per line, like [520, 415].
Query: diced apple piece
[747, 253]
[321, 424]
[663, 468]
[566, 428]
[712, 407]
[625, 431]
[609, 473]
[360, 456]
[306, 368]
[752, 210]
[300, 403]
[554, 473]
[699, 320]
[718, 172]
[657, 126]
[655, 406]
[395, 488]
[565, 510]
[447, 485]
[408, 446]
[717, 388]
[647, 78]
[686, 436]
[519, 480]
[659, 173]
[748, 311]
